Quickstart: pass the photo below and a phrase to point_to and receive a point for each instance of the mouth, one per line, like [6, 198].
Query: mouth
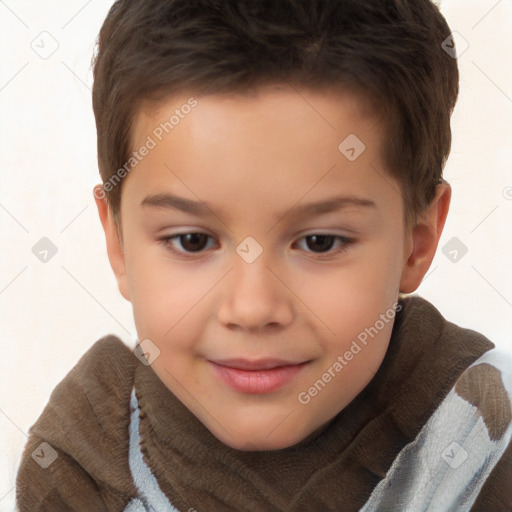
[256, 377]
[256, 365]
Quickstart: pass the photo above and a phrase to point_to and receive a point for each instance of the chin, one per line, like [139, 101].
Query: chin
[255, 441]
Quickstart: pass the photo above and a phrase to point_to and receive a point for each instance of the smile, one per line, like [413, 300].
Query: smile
[256, 377]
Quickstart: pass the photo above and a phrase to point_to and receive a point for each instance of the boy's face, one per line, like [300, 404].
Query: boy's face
[257, 286]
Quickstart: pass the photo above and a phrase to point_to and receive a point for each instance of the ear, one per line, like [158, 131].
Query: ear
[423, 238]
[114, 242]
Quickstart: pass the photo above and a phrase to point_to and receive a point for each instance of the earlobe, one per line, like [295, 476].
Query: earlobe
[114, 243]
[425, 239]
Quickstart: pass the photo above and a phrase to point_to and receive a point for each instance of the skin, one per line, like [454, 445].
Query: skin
[255, 160]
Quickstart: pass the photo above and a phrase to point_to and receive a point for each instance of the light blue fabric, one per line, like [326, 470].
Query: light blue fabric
[136, 506]
[445, 467]
[151, 498]
[442, 470]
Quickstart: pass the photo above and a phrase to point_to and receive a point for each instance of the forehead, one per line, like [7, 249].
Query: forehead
[362, 102]
[290, 144]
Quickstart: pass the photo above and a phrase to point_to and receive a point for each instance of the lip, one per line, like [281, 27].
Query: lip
[256, 377]
[257, 364]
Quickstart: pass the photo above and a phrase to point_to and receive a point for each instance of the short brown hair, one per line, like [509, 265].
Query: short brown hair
[390, 50]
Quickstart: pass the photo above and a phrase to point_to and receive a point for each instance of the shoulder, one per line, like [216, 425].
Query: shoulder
[84, 428]
[472, 432]
[487, 386]
[94, 394]
[420, 315]
[101, 374]
[481, 391]
[462, 454]
[462, 457]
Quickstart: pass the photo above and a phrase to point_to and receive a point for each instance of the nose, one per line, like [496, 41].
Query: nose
[254, 297]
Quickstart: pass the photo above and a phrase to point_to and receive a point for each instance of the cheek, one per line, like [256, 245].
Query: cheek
[163, 296]
[352, 296]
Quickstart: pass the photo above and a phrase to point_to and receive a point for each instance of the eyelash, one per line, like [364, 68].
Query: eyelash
[345, 243]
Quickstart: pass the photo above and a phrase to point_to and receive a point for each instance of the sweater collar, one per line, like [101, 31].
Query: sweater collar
[334, 468]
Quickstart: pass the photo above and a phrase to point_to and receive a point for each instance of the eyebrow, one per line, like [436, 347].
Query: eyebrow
[203, 209]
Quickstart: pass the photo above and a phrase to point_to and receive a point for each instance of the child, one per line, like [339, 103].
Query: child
[272, 374]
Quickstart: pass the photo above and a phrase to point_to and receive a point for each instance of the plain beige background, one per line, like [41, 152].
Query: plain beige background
[52, 312]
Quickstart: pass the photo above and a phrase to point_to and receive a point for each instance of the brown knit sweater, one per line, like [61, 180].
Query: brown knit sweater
[86, 428]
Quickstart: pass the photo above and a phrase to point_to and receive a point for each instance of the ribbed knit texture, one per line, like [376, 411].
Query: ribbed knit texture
[87, 418]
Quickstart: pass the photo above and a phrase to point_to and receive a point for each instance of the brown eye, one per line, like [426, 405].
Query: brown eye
[192, 242]
[325, 246]
[186, 243]
[320, 243]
